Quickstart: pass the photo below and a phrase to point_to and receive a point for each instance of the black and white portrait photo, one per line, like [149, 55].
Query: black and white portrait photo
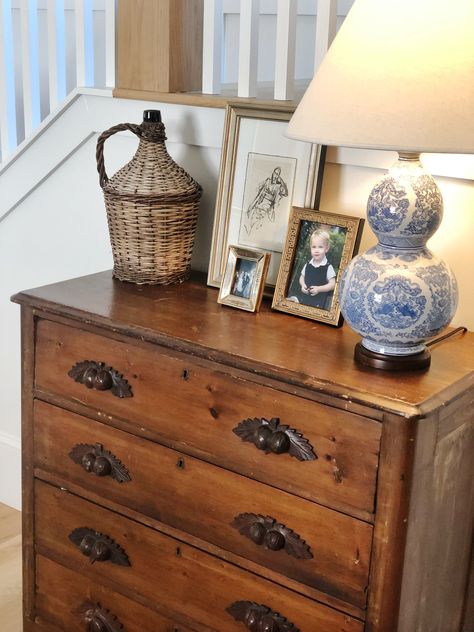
[243, 278]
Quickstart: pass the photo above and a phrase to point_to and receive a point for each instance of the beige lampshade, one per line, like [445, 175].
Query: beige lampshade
[399, 75]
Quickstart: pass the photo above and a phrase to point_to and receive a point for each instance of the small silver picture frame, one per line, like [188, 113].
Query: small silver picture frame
[244, 277]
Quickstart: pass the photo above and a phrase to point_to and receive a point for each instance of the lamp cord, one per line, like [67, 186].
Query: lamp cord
[456, 331]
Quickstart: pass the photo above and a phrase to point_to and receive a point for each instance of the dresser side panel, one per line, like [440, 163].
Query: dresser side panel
[468, 619]
[393, 489]
[441, 519]
[27, 474]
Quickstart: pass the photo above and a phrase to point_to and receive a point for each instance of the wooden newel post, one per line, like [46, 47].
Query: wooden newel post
[159, 46]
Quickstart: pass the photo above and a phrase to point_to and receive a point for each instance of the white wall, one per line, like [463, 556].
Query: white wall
[59, 230]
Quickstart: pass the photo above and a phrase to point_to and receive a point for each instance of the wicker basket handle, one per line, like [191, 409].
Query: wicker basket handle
[99, 154]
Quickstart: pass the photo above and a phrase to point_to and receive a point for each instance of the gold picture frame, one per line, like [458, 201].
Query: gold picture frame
[255, 148]
[301, 274]
[244, 278]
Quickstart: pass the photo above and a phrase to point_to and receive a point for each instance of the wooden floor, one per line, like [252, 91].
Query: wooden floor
[10, 569]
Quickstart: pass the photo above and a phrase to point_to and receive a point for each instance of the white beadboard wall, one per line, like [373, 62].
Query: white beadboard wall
[53, 225]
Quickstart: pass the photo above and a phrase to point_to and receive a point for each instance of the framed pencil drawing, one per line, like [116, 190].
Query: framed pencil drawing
[268, 186]
[318, 247]
[262, 174]
[244, 278]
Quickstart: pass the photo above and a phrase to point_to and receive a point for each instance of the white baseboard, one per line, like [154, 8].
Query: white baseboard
[10, 470]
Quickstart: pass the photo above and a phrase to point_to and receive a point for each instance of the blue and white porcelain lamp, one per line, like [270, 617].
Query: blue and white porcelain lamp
[398, 76]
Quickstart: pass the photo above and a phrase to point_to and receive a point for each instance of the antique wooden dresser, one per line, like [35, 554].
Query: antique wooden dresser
[193, 467]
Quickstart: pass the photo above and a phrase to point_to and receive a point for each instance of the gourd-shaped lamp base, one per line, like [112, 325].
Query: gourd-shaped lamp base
[397, 295]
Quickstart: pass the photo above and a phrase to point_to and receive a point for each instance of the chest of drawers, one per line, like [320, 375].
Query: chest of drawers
[191, 467]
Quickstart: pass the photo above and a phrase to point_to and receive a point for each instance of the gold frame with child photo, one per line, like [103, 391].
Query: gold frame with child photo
[318, 244]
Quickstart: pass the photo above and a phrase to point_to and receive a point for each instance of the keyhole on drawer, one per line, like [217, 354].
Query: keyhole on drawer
[180, 463]
[185, 374]
[178, 551]
[214, 413]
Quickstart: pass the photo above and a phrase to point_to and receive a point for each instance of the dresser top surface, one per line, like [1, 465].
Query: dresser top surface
[283, 347]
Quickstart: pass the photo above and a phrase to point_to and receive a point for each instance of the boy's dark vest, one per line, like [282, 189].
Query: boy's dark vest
[316, 276]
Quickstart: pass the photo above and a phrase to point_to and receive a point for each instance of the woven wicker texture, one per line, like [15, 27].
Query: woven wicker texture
[152, 208]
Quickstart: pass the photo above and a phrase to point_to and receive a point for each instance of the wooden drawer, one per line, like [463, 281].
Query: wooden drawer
[62, 597]
[194, 406]
[164, 571]
[187, 493]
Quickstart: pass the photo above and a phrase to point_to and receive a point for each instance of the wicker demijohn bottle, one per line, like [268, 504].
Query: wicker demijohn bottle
[152, 208]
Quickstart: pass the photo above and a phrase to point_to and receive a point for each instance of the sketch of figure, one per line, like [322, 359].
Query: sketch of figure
[266, 202]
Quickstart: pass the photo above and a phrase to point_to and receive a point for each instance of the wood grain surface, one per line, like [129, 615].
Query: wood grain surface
[166, 39]
[167, 572]
[61, 592]
[302, 352]
[394, 459]
[441, 523]
[203, 500]
[163, 386]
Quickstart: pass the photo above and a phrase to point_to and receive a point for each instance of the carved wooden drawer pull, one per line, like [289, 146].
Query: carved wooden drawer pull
[259, 618]
[100, 377]
[271, 436]
[98, 619]
[98, 547]
[94, 458]
[266, 531]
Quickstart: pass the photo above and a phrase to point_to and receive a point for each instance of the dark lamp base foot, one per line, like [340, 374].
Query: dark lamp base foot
[416, 362]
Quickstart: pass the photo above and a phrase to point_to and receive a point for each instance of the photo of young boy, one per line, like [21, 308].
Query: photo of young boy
[317, 260]
[318, 247]
[318, 278]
